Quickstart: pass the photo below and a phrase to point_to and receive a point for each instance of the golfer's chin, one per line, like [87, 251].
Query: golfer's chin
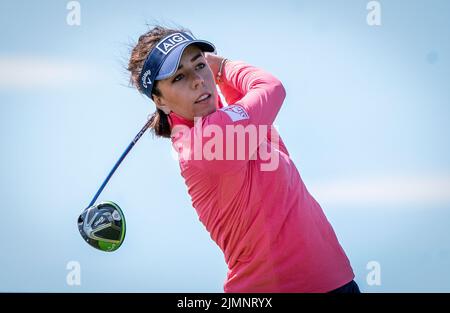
[205, 110]
[204, 113]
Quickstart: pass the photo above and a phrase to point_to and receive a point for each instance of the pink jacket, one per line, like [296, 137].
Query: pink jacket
[274, 235]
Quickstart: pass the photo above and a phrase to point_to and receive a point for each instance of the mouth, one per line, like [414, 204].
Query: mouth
[203, 98]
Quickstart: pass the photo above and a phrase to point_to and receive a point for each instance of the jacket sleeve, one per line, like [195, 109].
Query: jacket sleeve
[232, 95]
[257, 91]
[227, 139]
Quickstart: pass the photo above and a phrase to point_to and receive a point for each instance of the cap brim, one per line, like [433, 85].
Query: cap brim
[170, 65]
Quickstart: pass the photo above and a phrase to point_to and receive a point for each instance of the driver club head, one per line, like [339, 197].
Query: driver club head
[103, 226]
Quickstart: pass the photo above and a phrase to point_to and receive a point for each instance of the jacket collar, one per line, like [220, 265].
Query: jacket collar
[175, 119]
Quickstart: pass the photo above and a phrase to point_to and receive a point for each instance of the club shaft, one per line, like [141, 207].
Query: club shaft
[124, 154]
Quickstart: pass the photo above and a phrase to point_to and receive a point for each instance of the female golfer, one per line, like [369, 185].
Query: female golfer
[244, 186]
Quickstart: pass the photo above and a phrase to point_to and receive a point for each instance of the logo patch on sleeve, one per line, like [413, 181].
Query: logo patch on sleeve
[235, 112]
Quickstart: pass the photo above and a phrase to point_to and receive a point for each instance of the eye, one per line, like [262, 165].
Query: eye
[178, 78]
[201, 65]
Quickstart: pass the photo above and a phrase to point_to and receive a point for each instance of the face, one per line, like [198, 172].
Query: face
[191, 91]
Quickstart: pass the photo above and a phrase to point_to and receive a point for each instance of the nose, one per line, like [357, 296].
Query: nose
[197, 80]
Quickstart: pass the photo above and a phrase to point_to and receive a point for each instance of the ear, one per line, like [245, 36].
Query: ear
[160, 105]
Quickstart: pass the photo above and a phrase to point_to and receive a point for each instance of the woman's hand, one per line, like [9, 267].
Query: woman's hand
[214, 63]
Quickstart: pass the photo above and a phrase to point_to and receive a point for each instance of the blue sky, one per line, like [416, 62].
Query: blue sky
[366, 120]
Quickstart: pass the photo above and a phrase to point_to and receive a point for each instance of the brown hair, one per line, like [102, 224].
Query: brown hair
[160, 124]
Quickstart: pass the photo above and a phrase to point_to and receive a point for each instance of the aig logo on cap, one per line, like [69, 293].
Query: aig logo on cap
[171, 42]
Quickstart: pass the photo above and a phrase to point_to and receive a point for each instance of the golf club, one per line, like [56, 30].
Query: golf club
[103, 225]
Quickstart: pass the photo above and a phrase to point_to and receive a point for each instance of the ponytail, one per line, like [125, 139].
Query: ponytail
[160, 124]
